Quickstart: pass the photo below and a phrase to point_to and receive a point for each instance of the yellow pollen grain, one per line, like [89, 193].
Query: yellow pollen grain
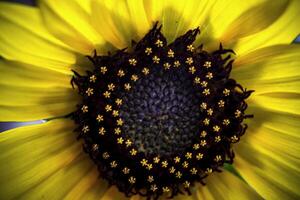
[121, 73]
[103, 70]
[148, 51]
[171, 53]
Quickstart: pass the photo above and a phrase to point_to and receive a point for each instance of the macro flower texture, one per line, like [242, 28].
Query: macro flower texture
[153, 99]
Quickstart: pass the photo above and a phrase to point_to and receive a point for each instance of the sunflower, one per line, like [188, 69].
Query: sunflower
[150, 99]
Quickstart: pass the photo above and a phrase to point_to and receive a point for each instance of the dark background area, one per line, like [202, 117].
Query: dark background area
[29, 2]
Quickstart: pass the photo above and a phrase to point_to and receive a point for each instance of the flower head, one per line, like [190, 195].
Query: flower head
[157, 103]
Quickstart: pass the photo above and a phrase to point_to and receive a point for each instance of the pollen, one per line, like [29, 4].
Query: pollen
[226, 122]
[132, 61]
[120, 122]
[192, 70]
[146, 70]
[121, 73]
[102, 131]
[186, 184]
[132, 180]
[108, 108]
[133, 152]
[100, 118]
[176, 63]
[105, 155]
[210, 112]
[203, 134]
[115, 113]
[199, 156]
[178, 174]
[185, 164]
[127, 86]
[126, 170]
[203, 105]
[134, 77]
[144, 162]
[149, 166]
[150, 179]
[226, 92]
[89, 91]
[103, 69]
[95, 147]
[93, 78]
[217, 138]
[85, 109]
[119, 102]
[106, 94]
[111, 87]
[172, 170]
[177, 159]
[207, 64]
[117, 131]
[120, 140]
[167, 65]
[190, 48]
[153, 188]
[159, 43]
[196, 146]
[85, 129]
[221, 103]
[216, 128]
[166, 189]
[203, 143]
[156, 59]
[206, 92]
[188, 155]
[164, 164]
[189, 61]
[156, 159]
[148, 50]
[193, 171]
[209, 75]
[128, 143]
[171, 53]
[197, 80]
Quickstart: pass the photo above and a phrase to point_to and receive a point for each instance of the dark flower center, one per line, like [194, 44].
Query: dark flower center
[156, 118]
[162, 112]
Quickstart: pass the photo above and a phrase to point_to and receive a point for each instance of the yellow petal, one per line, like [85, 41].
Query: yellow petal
[177, 16]
[69, 22]
[274, 75]
[86, 187]
[267, 157]
[24, 38]
[221, 14]
[220, 186]
[138, 17]
[97, 190]
[61, 182]
[280, 122]
[282, 26]
[270, 69]
[32, 154]
[113, 193]
[254, 19]
[111, 19]
[32, 93]
[83, 185]
[225, 185]
[282, 102]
